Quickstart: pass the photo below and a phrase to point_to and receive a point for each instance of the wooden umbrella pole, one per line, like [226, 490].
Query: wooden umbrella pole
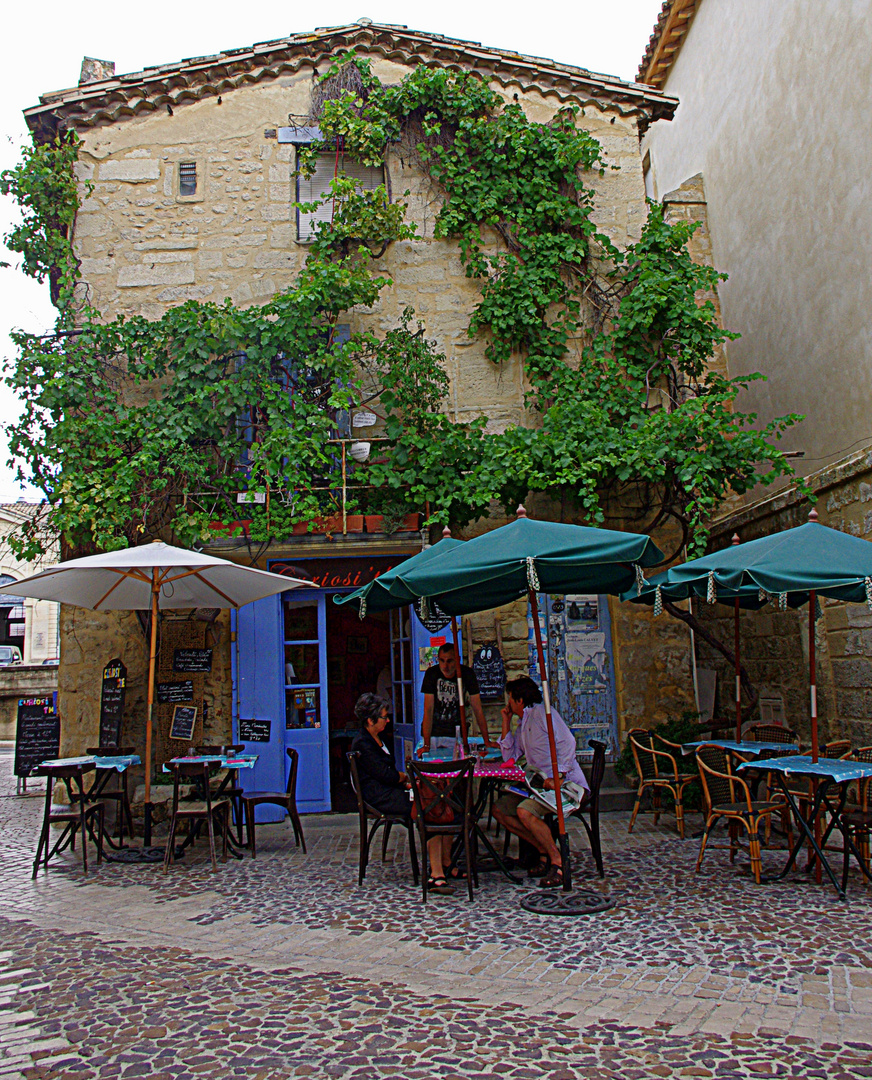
[812, 677]
[458, 656]
[552, 745]
[152, 663]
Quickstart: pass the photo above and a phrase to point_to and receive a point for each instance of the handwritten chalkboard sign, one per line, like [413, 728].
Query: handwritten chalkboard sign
[168, 693]
[490, 671]
[184, 718]
[112, 702]
[254, 730]
[198, 660]
[37, 733]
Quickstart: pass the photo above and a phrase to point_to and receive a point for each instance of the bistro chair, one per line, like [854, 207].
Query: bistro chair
[228, 786]
[443, 805]
[658, 770]
[119, 794]
[857, 822]
[196, 811]
[726, 795]
[370, 816]
[78, 816]
[588, 812]
[772, 733]
[838, 748]
[286, 799]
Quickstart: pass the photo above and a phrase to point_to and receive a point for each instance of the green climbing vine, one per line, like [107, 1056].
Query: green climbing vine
[139, 427]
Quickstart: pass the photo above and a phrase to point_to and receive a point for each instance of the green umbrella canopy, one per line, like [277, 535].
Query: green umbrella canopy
[792, 563]
[501, 565]
[379, 595]
[748, 595]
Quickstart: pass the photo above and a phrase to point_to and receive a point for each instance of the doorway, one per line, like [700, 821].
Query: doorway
[358, 662]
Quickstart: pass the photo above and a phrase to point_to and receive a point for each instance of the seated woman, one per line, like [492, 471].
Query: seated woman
[382, 785]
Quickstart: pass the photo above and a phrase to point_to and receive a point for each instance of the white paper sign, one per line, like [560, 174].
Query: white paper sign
[364, 418]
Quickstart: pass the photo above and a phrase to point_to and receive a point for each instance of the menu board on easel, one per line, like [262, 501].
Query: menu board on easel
[112, 702]
[37, 733]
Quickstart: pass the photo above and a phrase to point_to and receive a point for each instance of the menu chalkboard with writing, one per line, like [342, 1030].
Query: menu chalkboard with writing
[490, 671]
[170, 692]
[112, 702]
[184, 718]
[254, 730]
[192, 660]
[37, 733]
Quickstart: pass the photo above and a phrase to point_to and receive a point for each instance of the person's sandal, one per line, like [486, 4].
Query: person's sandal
[540, 869]
[553, 879]
[439, 885]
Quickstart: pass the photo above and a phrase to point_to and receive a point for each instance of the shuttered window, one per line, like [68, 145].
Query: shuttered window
[311, 189]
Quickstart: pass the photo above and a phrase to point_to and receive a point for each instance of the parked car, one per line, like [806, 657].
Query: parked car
[9, 654]
[52, 661]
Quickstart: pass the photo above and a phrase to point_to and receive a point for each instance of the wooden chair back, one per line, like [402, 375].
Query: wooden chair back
[439, 787]
[719, 785]
[642, 745]
[198, 772]
[292, 775]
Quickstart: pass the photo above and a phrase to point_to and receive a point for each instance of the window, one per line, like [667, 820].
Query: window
[316, 187]
[187, 178]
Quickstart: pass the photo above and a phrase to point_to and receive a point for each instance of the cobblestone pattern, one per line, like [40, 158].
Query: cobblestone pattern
[284, 967]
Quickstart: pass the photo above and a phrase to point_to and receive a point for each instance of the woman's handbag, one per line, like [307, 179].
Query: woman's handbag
[438, 813]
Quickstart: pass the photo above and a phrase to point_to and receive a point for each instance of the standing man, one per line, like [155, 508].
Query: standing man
[442, 702]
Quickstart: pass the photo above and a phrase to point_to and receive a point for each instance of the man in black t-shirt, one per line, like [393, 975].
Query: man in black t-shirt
[441, 706]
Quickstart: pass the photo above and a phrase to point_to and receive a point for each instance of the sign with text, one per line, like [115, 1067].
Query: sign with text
[339, 573]
[112, 702]
[254, 730]
[490, 671]
[169, 693]
[184, 718]
[37, 733]
[196, 660]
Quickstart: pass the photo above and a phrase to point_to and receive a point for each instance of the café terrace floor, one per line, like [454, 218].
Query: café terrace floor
[283, 967]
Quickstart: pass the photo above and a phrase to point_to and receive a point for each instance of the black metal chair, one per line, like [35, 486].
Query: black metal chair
[287, 799]
[198, 810]
[368, 814]
[443, 803]
[78, 816]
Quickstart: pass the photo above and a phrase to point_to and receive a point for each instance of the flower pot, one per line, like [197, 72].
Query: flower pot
[228, 527]
[375, 523]
[331, 524]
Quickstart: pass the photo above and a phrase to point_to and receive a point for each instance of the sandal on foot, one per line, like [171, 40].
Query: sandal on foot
[439, 885]
[553, 879]
[458, 873]
[540, 869]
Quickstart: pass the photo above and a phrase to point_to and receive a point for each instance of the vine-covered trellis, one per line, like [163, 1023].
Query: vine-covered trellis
[135, 427]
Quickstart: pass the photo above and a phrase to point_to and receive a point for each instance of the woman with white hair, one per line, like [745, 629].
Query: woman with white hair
[382, 785]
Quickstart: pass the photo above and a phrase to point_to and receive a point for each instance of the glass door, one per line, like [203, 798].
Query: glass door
[403, 674]
[304, 670]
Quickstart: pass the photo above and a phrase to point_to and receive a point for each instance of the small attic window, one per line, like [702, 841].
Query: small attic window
[187, 178]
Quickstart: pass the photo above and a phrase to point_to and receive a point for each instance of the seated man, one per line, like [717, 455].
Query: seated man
[526, 817]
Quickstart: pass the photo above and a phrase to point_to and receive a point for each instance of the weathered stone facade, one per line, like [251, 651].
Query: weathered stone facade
[145, 246]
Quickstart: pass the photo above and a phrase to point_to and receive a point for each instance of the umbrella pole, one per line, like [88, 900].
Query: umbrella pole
[546, 695]
[152, 662]
[736, 648]
[458, 656]
[812, 677]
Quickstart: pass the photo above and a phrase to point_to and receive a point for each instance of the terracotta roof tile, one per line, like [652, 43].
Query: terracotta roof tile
[665, 42]
[110, 100]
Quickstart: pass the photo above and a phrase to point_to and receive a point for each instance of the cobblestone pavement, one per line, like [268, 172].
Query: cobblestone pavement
[284, 967]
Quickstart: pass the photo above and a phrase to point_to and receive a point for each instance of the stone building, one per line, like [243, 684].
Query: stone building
[193, 172]
[778, 165]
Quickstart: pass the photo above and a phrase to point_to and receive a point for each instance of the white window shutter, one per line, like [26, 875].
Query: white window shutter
[312, 189]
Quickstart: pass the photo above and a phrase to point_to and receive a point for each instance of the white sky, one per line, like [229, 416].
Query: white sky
[45, 46]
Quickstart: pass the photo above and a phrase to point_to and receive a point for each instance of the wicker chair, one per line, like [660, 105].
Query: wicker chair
[772, 733]
[658, 769]
[838, 748]
[728, 796]
[858, 822]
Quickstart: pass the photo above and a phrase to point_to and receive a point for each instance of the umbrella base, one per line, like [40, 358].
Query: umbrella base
[558, 902]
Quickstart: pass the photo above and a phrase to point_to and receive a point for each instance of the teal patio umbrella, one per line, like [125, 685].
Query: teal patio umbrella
[386, 592]
[523, 558]
[792, 568]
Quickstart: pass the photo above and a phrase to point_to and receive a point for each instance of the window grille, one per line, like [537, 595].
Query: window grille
[313, 188]
[187, 178]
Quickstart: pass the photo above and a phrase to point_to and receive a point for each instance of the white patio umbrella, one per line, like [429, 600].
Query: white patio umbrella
[152, 577]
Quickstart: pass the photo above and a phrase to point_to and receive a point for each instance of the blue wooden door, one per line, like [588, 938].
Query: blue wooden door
[258, 656]
[304, 686]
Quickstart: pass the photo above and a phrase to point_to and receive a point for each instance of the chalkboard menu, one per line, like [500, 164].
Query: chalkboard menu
[184, 718]
[490, 671]
[169, 693]
[254, 730]
[192, 660]
[37, 733]
[112, 702]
